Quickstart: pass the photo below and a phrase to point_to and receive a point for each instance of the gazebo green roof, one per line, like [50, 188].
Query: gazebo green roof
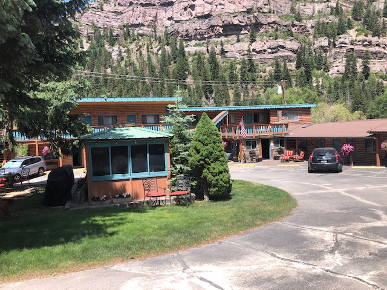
[125, 133]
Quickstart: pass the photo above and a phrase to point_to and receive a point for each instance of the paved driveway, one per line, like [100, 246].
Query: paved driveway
[335, 239]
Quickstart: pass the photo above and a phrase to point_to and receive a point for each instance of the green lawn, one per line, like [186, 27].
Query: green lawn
[45, 241]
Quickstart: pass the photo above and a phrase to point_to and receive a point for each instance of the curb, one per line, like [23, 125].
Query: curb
[368, 167]
[288, 165]
[245, 164]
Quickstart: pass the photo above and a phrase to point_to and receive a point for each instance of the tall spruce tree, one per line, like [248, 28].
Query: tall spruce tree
[38, 42]
[286, 74]
[365, 64]
[350, 71]
[253, 34]
[277, 71]
[180, 143]
[208, 161]
[357, 10]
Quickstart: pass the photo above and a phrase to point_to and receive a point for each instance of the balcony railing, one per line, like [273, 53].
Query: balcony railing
[233, 132]
[253, 131]
[21, 137]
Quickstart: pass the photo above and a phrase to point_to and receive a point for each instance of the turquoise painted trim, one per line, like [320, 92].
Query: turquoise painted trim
[238, 108]
[129, 175]
[131, 100]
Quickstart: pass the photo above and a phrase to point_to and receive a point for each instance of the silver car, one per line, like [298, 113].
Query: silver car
[35, 164]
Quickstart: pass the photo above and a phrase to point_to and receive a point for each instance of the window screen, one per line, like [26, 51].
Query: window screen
[119, 159]
[100, 161]
[156, 157]
[139, 158]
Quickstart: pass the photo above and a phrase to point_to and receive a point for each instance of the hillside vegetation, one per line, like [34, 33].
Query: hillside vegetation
[125, 61]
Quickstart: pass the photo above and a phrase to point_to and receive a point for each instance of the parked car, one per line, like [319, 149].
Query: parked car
[35, 164]
[325, 159]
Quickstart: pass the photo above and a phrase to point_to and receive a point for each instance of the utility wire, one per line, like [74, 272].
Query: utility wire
[80, 73]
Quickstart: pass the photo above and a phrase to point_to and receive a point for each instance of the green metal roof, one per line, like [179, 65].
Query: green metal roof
[129, 100]
[125, 133]
[238, 108]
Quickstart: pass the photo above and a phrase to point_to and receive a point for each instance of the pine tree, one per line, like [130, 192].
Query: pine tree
[366, 65]
[214, 64]
[341, 26]
[218, 96]
[350, 71]
[277, 71]
[111, 39]
[222, 51]
[173, 48]
[232, 73]
[208, 161]
[253, 34]
[252, 70]
[298, 16]
[300, 56]
[385, 9]
[207, 86]
[237, 99]
[319, 59]
[244, 73]
[180, 143]
[357, 10]
[286, 74]
[238, 37]
[339, 9]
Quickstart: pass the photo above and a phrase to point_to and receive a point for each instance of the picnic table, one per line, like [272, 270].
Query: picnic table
[8, 198]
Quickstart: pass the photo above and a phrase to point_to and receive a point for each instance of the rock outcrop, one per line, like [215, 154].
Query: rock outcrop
[199, 20]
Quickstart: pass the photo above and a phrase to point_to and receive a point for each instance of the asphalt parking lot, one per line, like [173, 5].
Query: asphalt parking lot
[335, 239]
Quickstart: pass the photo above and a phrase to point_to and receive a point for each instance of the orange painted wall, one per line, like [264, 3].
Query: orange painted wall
[132, 186]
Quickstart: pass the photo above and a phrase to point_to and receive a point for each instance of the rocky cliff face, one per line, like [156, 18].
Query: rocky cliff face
[199, 20]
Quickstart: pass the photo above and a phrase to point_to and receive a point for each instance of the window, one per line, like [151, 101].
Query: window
[370, 145]
[251, 144]
[196, 120]
[156, 157]
[320, 142]
[150, 119]
[290, 116]
[232, 119]
[119, 159]
[123, 160]
[139, 158]
[258, 118]
[131, 119]
[107, 120]
[87, 120]
[100, 161]
[279, 143]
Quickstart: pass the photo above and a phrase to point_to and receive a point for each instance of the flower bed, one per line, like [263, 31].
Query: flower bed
[115, 199]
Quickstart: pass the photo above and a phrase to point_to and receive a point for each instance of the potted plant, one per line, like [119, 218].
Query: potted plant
[347, 150]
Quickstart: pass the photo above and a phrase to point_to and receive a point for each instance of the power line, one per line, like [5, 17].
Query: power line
[80, 73]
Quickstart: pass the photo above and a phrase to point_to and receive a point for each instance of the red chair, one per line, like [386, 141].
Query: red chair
[287, 156]
[153, 191]
[300, 157]
[182, 188]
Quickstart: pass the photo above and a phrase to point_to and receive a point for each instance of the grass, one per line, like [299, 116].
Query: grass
[45, 241]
